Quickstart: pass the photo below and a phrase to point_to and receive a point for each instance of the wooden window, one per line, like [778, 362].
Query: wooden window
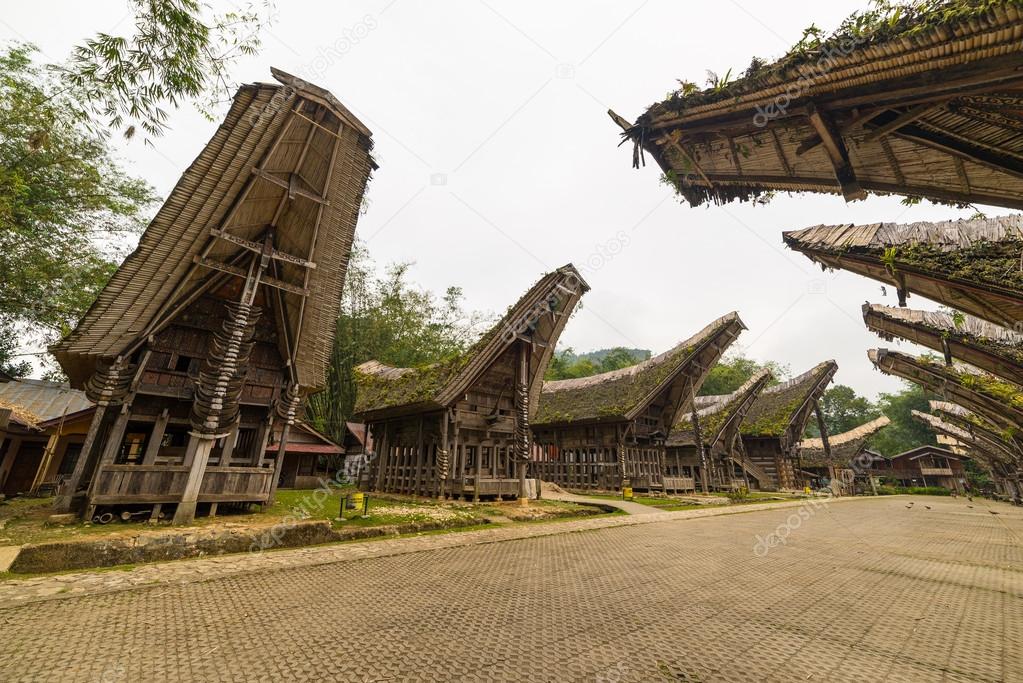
[70, 459]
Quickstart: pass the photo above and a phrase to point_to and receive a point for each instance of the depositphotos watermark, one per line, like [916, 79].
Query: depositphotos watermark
[860, 465]
[809, 75]
[326, 57]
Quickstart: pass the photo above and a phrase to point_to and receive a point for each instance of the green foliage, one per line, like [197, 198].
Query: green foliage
[843, 410]
[567, 365]
[177, 51]
[63, 200]
[914, 490]
[733, 371]
[9, 362]
[386, 318]
[904, 432]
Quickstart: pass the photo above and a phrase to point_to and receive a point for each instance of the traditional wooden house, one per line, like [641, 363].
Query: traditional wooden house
[925, 466]
[920, 99]
[833, 459]
[46, 425]
[310, 458]
[219, 324]
[775, 424]
[989, 347]
[970, 265]
[968, 443]
[608, 430]
[461, 427]
[704, 447]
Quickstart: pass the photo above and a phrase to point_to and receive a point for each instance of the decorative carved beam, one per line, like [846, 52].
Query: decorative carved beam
[257, 247]
[241, 272]
[963, 150]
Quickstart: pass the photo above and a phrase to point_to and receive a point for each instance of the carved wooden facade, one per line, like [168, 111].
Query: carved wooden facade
[606, 431]
[221, 321]
[461, 427]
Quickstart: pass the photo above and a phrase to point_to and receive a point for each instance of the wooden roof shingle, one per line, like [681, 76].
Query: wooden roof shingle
[844, 447]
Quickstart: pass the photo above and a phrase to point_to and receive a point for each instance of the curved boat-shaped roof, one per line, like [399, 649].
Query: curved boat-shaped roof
[541, 312]
[288, 159]
[970, 265]
[969, 339]
[921, 100]
[781, 411]
[623, 394]
[720, 415]
[844, 447]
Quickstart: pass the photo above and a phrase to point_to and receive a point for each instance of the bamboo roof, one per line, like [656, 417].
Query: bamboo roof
[977, 447]
[970, 265]
[624, 394]
[541, 313]
[997, 401]
[720, 416]
[844, 447]
[922, 100]
[782, 411]
[984, 345]
[996, 439]
[288, 158]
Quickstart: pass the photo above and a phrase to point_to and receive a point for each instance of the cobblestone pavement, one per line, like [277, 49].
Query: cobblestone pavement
[866, 590]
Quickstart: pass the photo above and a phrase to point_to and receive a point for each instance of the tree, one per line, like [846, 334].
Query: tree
[567, 365]
[177, 51]
[386, 318]
[904, 432]
[732, 372]
[843, 410]
[63, 200]
[9, 363]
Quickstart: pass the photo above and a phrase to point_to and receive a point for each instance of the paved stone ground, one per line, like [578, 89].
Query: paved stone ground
[865, 590]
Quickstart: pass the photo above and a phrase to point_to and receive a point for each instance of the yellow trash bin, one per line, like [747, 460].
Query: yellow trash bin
[627, 493]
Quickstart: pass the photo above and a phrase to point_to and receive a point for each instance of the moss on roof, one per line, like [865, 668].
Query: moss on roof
[776, 408]
[620, 393]
[994, 263]
[883, 23]
[615, 396]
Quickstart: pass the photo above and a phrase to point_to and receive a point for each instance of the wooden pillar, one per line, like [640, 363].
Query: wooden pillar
[418, 483]
[62, 503]
[479, 472]
[443, 457]
[113, 444]
[229, 443]
[197, 454]
[282, 448]
[704, 475]
[155, 437]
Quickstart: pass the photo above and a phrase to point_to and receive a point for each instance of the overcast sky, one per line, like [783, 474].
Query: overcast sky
[498, 161]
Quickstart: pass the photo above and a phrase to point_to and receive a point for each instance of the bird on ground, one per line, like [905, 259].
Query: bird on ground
[992, 512]
[927, 506]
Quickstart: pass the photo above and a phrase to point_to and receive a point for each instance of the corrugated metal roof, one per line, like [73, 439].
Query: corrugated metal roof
[42, 399]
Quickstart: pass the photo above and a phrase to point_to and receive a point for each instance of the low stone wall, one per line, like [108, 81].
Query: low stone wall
[161, 546]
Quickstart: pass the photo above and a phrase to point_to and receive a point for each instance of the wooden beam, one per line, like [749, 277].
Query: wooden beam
[838, 154]
[289, 185]
[781, 153]
[257, 247]
[681, 150]
[241, 272]
[906, 117]
[963, 150]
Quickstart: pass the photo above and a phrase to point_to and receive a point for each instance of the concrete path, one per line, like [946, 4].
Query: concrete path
[548, 492]
[865, 590]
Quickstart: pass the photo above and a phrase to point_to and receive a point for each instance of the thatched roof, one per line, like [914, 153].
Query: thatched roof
[973, 266]
[542, 312]
[781, 411]
[997, 401]
[287, 155]
[844, 447]
[719, 416]
[984, 345]
[923, 100]
[624, 394]
[977, 447]
[995, 439]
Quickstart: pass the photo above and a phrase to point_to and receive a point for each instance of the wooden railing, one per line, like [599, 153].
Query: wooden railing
[936, 471]
[166, 483]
